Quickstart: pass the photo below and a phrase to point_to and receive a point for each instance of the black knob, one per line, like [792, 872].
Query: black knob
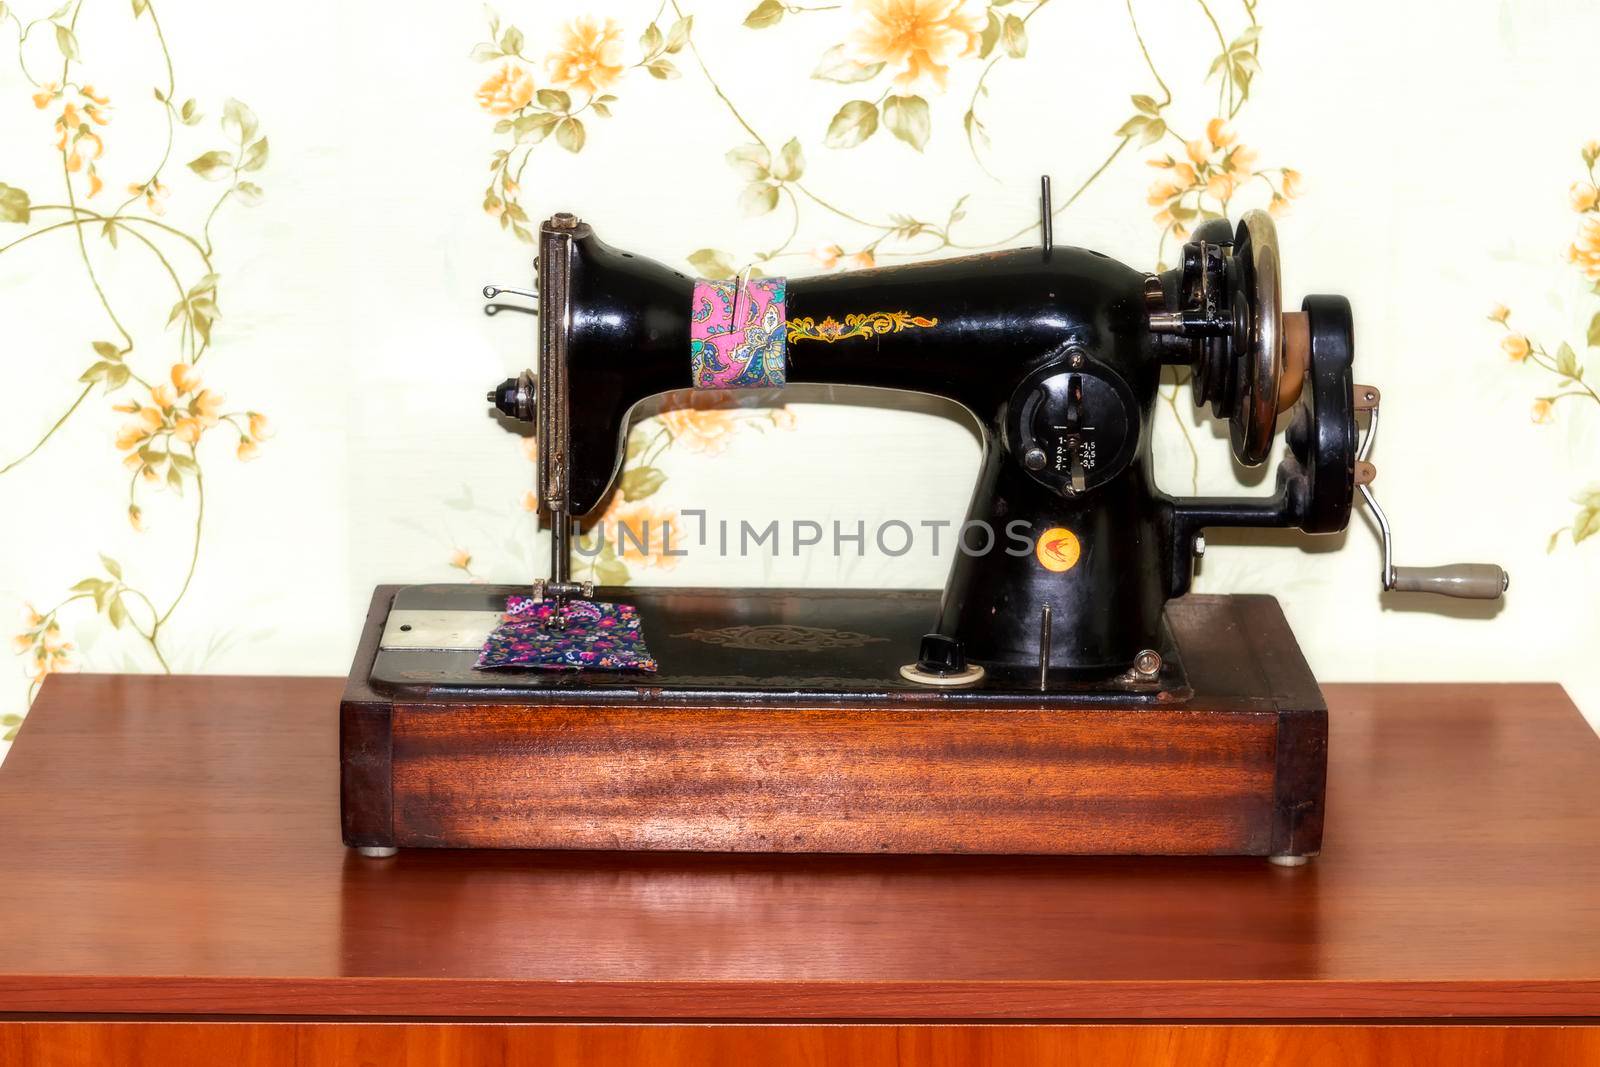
[515, 398]
[940, 654]
[504, 397]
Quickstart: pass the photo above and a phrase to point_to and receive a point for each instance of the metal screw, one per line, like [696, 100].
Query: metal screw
[1034, 459]
[1075, 356]
[1147, 663]
[563, 220]
[1199, 544]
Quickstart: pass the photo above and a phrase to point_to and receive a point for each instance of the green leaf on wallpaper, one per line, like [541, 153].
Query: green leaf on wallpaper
[175, 480]
[608, 569]
[791, 162]
[854, 123]
[712, 263]
[1147, 129]
[255, 157]
[14, 204]
[238, 121]
[117, 377]
[1586, 524]
[663, 70]
[1566, 361]
[213, 166]
[184, 463]
[249, 193]
[117, 613]
[758, 198]
[485, 52]
[108, 351]
[990, 37]
[908, 119]
[112, 567]
[109, 232]
[1014, 35]
[1594, 330]
[642, 482]
[66, 41]
[189, 113]
[750, 161]
[767, 13]
[96, 372]
[88, 585]
[678, 36]
[570, 135]
[600, 109]
[511, 41]
[554, 99]
[651, 41]
[975, 129]
[1147, 104]
[139, 6]
[636, 441]
[837, 66]
[535, 126]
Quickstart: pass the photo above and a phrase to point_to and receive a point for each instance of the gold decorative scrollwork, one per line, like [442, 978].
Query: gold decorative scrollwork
[831, 329]
[778, 637]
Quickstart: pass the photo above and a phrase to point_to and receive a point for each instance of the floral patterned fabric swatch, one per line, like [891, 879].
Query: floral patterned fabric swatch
[596, 637]
[738, 337]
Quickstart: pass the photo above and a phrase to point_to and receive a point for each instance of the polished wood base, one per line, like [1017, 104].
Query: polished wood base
[1233, 764]
[237, 1044]
[168, 852]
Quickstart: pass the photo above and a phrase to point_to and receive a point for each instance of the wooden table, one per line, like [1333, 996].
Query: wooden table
[169, 850]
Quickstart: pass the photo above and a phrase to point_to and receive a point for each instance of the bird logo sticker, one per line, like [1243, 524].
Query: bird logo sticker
[1058, 549]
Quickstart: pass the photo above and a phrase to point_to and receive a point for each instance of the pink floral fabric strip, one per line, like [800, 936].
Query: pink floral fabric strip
[738, 335]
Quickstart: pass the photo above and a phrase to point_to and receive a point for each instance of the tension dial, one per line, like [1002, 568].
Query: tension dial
[1075, 429]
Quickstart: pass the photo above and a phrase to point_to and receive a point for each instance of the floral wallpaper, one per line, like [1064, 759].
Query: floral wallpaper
[245, 382]
[1563, 367]
[167, 200]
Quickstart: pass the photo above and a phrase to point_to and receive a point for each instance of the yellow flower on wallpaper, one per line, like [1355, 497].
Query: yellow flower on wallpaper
[155, 195]
[642, 535]
[1203, 184]
[590, 55]
[699, 420]
[1515, 345]
[1584, 252]
[79, 143]
[917, 39]
[508, 89]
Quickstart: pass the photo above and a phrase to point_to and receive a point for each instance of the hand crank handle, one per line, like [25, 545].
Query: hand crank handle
[1469, 581]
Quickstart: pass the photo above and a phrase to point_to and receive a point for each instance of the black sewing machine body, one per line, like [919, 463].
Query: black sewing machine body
[1053, 355]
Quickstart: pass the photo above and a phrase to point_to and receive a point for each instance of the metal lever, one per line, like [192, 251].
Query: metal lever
[492, 291]
[1468, 581]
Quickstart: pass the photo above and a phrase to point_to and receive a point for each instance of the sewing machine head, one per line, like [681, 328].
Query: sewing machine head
[1058, 353]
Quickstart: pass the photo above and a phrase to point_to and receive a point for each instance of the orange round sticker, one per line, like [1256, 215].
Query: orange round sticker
[1057, 549]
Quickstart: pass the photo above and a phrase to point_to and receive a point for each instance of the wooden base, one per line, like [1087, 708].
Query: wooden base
[1236, 768]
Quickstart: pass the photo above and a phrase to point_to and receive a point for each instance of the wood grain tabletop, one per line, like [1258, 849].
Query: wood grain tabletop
[171, 845]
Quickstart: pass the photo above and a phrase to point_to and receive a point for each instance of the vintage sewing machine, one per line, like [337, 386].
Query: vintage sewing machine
[1066, 698]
